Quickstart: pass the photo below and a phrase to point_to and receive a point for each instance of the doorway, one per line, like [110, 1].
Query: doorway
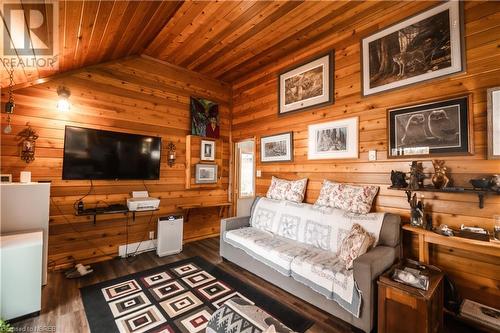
[245, 176]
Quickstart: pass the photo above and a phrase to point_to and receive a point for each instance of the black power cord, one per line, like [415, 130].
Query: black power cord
[75, 204]
[131, 258]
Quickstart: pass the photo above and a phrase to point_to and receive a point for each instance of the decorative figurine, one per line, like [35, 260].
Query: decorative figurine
[417, 217]
[439, 179]
[416, 176]
[398, 179]
[27, 144]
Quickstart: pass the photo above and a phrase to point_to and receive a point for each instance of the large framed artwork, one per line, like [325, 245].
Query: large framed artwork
[423, 47]
[335, 139]
[277, 148]
[204, 118]
[494, 123]
[205, 173]
[306, 86]
[431, 129]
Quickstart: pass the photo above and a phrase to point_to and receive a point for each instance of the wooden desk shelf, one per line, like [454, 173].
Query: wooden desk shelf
[187, 208]
[426, 237]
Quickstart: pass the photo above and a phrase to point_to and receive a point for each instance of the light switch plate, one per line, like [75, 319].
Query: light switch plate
[259, 173]
[372, 155]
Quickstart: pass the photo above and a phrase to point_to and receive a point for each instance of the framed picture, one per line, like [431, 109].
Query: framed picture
[430, 129]
[423, 47]
[6, 178]
[205, 173]
[306, 86]
[204, 118]
[277, 148]
[335, 139]
[494, 123]
[207, 152]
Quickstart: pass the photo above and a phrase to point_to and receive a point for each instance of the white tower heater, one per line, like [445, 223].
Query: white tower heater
[169, 235]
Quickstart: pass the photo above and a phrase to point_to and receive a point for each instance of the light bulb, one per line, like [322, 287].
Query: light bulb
[63, 105]
[7, 129]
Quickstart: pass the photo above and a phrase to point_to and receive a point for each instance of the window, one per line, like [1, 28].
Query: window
[246, 169]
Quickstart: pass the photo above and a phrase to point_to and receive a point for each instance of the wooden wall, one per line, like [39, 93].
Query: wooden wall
[134, 95]
[255, 114]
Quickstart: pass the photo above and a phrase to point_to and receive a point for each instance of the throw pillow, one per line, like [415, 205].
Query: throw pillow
[355, 244]
[291, 190]
[352, 198]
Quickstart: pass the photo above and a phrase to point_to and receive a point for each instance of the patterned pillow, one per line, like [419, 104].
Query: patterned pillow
[355, 244]
[355, 199]
[291, 190]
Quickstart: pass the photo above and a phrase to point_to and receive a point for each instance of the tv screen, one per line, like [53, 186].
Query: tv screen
[96, 154]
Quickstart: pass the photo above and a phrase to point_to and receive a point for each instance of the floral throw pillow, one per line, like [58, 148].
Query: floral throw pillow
[291, 190]
[352, 198]
[354, 245]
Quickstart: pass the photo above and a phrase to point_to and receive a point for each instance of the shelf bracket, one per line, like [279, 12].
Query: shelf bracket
[481, 199]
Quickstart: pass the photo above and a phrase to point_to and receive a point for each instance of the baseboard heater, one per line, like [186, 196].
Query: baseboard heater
[136, 248]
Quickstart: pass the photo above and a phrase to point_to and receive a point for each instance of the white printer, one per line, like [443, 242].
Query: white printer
[142, 201]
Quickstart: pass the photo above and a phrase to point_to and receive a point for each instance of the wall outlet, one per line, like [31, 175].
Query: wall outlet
[372, 155]
[259, 173]
[151, 235]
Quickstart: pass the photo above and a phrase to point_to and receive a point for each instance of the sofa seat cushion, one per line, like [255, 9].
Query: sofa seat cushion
[275, 251]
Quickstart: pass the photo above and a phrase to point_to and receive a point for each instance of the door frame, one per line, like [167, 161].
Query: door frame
[236, 171]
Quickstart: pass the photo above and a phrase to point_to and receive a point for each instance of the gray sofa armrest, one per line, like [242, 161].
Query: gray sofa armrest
[371, 264]
[233, 223]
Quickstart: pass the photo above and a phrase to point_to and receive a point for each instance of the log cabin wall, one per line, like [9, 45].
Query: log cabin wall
[255, 114]
[134, 95]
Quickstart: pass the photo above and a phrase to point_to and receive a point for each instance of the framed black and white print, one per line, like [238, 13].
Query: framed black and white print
[205, 173]
[277, 148]
[494, 123]
[207, 150]
[334, 139]
[423, 47]
[431, 129]
[306, 86]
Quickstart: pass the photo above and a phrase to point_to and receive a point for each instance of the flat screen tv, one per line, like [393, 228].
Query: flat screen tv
[96, 154]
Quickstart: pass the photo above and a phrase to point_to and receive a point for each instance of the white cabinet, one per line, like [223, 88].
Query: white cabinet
[20, 274]
[25, 207]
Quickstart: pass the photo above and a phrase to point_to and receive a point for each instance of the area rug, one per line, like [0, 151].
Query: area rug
[176, 298]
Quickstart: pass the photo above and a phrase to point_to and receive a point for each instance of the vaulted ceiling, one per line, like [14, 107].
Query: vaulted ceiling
[223, 40]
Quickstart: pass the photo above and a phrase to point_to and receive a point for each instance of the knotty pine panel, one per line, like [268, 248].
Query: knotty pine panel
[133, 95]
[255, 114]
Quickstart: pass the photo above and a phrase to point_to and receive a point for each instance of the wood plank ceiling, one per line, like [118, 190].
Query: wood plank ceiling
[223, 40]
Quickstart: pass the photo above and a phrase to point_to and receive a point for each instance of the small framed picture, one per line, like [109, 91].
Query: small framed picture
[422, 47]
[207, 150]
[307, 85]
[430, 129]
[494, 123]
[206, 173]
[335, 139]
[6, 178]
[277, 148]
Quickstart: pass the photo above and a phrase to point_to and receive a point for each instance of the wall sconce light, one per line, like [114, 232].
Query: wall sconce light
[63, 103]
[10, 105]
[171, 154]
[27, 144]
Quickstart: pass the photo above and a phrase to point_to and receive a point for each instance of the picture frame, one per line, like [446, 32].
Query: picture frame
[431, 128]
[493, 116]
[207, 150]
[206, 173]
[423, 47]
[334, 139]
[6, 178]
[308, 85]
[205, 119]
[276, 148]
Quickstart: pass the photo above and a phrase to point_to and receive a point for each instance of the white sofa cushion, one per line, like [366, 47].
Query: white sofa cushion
[351, 198]
[291, 190]
[277, 252]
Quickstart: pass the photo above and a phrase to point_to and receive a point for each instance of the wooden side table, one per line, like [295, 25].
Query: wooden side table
[405, 309]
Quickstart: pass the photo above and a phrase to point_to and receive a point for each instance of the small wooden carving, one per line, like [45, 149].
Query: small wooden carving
[439, 179]
[398, 179]
[28, 138]
[416, 176]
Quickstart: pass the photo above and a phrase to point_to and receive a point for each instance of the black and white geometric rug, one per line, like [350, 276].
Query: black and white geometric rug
[176, 298]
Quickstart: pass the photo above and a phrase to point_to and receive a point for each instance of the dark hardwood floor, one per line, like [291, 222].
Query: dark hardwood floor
[62, 308]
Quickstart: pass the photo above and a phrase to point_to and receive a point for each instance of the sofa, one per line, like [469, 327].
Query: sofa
[260, 244]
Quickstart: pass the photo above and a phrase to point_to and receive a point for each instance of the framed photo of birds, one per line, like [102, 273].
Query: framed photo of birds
[434, 128]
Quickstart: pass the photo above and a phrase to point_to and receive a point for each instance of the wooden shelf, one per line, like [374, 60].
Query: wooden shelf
[187, 208]
[480, 193]
[426, 237]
